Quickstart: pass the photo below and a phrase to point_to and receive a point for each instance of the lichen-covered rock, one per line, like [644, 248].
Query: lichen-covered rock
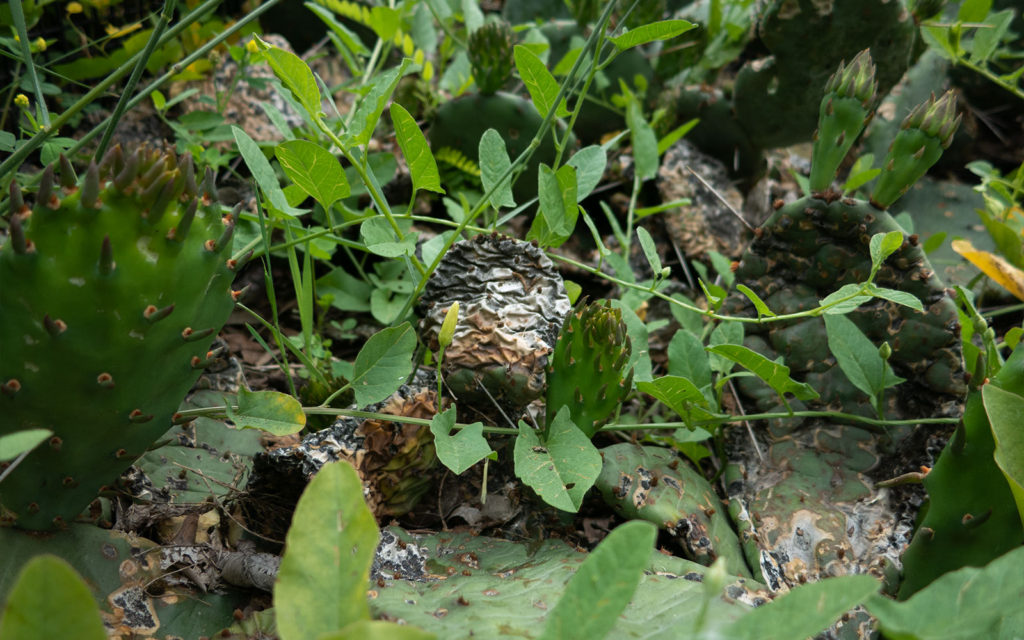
[511, 306]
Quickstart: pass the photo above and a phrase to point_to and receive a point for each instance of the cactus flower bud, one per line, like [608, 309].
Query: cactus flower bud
[885, 350]
[451, 317]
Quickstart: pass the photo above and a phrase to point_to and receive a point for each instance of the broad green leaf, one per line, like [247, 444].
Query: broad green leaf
[973, 10]
[321, 586]
[472, 15]
[805, 610]
[539, 82]
[1005, 409]
[272, 411]
[645, 143]
[14, 444]
[859, 179]
[50, 600]
[494, 162]
[294, 74]
[367, 114]
[590, 163]
[314, 169]
[967, 604]
[379, 237]
[661, 30]
[460, 451]
[603, 585]
[383, 364]
[839, 294]
[724, 333]
[349, 39]
[650, 251]
[904, 298]
[264, 174]
[986, 40]
[562, 466]
[384, 21]
[378, 630]
[688, 319]
[422, 166]
[678, 394]
[723, 266]
[857, 356]
[762, 309]
[558, 212]
[687, 358]
[884, 245]
[774, 374]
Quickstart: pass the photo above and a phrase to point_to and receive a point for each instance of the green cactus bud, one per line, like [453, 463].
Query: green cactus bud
[490, 55]
[923, 135]
[109, 303]
[845, 110]
[587, 372]
[885, 351]
[447, 332]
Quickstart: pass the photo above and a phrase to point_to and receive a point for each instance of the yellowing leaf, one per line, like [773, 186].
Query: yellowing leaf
[1008, 276]
[117, 32]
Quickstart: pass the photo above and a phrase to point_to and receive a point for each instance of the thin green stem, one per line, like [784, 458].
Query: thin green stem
[726, 418]
[18, 16]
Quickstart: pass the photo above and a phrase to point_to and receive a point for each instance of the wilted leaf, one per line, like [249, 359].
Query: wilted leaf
[1005, 274]
[272, 411]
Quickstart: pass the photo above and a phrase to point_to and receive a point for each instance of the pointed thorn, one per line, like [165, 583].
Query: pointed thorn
[189, 334]
[970, 521]
[234, 264]
[105, 380]
[154, 173]
[54, 327]
[208, 189]
[10, 387]
[91, 187]
[112, 162]
[124, 178]
[159, 206]
[927, 532]
[151, 195]
[237, 295]
[218, 245]
[188, 172]
[19, 242]
[153, 315]
[56, 442]
[202, 363]
[16, 203]
[106, 264]
[46, 196]
[181, 231]
[68, 179]
[137, 417]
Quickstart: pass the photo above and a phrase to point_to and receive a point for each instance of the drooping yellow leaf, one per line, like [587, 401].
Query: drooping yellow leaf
[1005, 274]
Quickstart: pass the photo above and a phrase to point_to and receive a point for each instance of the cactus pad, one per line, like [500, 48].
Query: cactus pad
[113, 288]
[490, 56]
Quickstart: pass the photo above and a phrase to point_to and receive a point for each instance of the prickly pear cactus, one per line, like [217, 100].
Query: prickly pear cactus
[587, 372]
[803, 494]
[511, 304]
[490, 56]
[113, 287]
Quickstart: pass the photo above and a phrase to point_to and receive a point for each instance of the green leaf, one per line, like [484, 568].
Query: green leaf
[383, 364]
[805, 610]
[762, 309]
[965, 604]
[314, 170]
[539, 82]
[379, 237]
[422, 166]
[839, 294]
[857, 356]
[1005, 409]
[661, 30]
[986, 40]
[472, 15]
[321, 586]
[14, 444]
[464, 449]
[904, 298]
[688, 319]
[645, 143]
[562, 466]
[603, 585]
[774, 374]
[272, 411]
[680, 395]
[294, 74]
[687, 358]
[859, 179]
[50, 600]
[385, 22]
[264, 174]
[884, 245]
[349, 39]
[650, 251]
[367, 114]
[590, 163]
[494, 162]
[556, 219]
[378, 630]
[724, 333]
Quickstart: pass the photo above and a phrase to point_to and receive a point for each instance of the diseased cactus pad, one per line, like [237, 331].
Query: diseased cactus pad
[112, 289]
[810, 508]
[511, 306]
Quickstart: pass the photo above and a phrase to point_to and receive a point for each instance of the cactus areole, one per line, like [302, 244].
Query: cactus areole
[112, 288]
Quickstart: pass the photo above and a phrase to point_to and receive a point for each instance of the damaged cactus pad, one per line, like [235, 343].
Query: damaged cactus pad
[114, 286]
[511, 306]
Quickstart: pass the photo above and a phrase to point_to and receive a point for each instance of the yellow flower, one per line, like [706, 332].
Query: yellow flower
[21, 100]
[252, 47]
[73, 7]
[40, 44]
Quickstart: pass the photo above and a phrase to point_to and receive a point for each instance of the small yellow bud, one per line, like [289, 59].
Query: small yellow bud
[418, 57]
[444, 337]
[40, 44]
[407, 45]
[21, 100]
[251, 46]
[73, 7]
[428, 71]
